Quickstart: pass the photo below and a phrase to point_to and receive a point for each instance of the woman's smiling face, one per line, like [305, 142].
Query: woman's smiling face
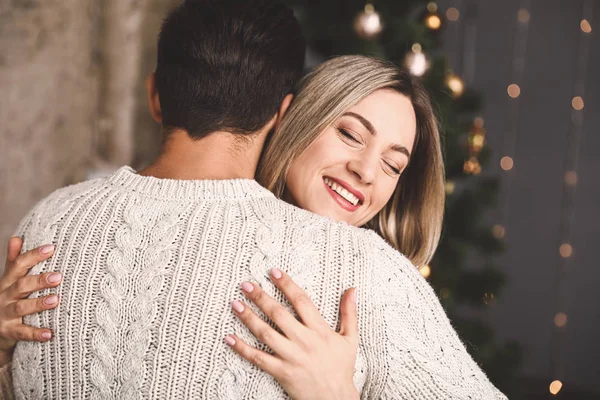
[351, 171]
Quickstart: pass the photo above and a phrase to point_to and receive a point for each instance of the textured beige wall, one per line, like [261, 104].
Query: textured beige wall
[53, 85]
[47, 101]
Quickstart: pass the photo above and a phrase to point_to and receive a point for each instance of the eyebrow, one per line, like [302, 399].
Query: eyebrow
[367, 124]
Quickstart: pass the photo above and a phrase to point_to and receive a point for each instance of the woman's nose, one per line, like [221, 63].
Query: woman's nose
[364, 169]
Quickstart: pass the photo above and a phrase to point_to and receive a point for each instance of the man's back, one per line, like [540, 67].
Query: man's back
[150, 267]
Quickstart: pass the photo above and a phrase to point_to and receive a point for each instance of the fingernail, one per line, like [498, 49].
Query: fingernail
[247, 287]
[276, 273]
[237, 306]
[46, 335]
[53, 278]
[47, 249]
[50, 300]
[229, 340]
[354, 296]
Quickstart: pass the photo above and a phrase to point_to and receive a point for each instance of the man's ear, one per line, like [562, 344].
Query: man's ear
[153, 100]
[285, 104]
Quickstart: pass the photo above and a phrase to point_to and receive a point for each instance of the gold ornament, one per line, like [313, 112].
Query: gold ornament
[368, 23]
[456, 85]
[472, 166]
[449, 186]
[433, 21]
[416, 61]
[476, 141]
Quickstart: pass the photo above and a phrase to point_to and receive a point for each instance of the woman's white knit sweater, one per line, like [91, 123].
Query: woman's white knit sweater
[150, 267]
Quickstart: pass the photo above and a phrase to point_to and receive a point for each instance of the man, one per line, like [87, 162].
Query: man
[151, 261]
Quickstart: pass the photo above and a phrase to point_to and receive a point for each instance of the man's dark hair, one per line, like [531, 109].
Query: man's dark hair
[227, 64]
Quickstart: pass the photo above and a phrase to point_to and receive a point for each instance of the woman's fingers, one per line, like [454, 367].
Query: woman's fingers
[263, 331]
[303, 305]
[26, 285]
[19, 267]
[265, 361]
[14, 248]
[288, 324]
[21, 308]
[348, 317]
[27, 333]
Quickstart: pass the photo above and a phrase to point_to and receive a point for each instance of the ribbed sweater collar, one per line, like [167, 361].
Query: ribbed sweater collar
[230, 189]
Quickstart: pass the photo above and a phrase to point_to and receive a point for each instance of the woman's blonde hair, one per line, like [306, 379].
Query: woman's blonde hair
[412, 220]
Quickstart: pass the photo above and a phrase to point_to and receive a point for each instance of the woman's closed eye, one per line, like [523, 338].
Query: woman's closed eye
[392, 168]
[348, 136]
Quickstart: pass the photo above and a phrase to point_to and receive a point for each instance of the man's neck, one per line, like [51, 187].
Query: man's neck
[221, 155]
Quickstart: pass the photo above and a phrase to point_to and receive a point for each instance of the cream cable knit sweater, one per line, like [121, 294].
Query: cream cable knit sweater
[150, 268]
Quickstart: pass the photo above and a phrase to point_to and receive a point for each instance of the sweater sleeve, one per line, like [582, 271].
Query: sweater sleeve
[6, 388]
[425, 357]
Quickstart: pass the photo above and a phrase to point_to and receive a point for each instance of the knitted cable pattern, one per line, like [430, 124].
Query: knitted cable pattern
[113, 291]
[136, 267]
[37, 228]
[150, 267]
[146, 283]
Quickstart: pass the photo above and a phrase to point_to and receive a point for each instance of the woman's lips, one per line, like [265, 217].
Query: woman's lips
[345, 204]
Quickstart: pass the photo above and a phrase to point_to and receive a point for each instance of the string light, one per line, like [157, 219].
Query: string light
[507, 163]
[498, 231]
[555, 387]
[567, 205]
[571, 178]
[425, 271]
[523, 16]
[511, 136]
[444, 293]
[565, 250]
[452, 14]
[560, 320]
[514, 90]
[577, 103]
[585, 26]
[368, 23]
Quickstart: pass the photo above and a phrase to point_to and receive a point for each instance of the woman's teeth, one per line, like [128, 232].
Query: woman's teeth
[352, 199]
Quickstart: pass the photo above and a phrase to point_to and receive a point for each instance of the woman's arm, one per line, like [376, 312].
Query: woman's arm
[311, 360]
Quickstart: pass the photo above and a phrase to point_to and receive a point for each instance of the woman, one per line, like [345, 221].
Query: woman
[359, 144]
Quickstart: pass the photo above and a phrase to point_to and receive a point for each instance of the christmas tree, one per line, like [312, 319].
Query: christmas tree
[462, 272]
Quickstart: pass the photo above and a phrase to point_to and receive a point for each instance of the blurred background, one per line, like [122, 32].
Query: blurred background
[519, 111]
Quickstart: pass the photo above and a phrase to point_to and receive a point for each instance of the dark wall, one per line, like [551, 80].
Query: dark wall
[481, 46]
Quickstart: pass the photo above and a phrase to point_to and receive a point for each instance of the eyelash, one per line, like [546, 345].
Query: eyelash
[349, 136]
[396, 170]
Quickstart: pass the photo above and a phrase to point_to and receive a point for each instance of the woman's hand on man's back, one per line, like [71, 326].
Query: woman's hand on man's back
[15, 288]
[311, 361]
